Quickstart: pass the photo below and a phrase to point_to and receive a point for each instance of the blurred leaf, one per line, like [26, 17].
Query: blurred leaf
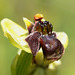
[16, 34]
[21, 63]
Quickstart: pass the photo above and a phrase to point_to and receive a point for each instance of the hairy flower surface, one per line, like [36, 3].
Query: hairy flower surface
[37, 35]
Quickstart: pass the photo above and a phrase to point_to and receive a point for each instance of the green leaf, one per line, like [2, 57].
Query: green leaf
[16, 34]
[21, 63]
[13, 65]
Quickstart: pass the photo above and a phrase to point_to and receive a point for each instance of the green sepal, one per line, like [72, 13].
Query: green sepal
[16, 34]
[28, 24]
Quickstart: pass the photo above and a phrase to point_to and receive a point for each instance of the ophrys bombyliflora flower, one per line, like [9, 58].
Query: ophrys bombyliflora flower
[39, 35]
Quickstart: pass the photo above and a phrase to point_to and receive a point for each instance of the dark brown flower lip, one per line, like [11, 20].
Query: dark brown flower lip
[52, 47]
[33, 42]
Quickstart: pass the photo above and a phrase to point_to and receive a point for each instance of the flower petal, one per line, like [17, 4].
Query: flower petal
[28, 24]
[16, 34]
[33, 41]
[39, 58]
[62, 36]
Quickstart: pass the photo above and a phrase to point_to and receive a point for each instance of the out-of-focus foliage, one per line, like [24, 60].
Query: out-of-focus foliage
[61, 13]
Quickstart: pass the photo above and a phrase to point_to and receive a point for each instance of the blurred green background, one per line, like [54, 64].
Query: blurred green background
[61, 13]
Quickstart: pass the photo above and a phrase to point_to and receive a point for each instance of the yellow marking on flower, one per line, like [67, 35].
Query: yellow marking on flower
[39, 58]
[57, 63]
[54, 64]
[51, 66]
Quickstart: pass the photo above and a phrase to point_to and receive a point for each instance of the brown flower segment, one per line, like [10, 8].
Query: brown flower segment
[41, 36]
[33, 41]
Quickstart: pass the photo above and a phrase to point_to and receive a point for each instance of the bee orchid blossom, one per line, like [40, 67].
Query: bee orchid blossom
[37, 35]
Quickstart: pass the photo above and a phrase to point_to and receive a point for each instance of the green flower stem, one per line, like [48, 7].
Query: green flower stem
[39, 71]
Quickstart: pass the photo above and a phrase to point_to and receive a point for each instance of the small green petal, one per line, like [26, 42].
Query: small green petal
[62, 36]
[54, 65]
[16, 34]
[28, 24]
[39, 58]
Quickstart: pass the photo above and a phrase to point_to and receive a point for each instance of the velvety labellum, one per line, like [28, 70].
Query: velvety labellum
[52, 47]
[33, 42]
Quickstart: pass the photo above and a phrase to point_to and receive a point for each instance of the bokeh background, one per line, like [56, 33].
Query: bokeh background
[61, 13]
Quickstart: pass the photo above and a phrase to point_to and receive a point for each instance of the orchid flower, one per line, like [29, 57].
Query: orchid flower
[37, 37]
